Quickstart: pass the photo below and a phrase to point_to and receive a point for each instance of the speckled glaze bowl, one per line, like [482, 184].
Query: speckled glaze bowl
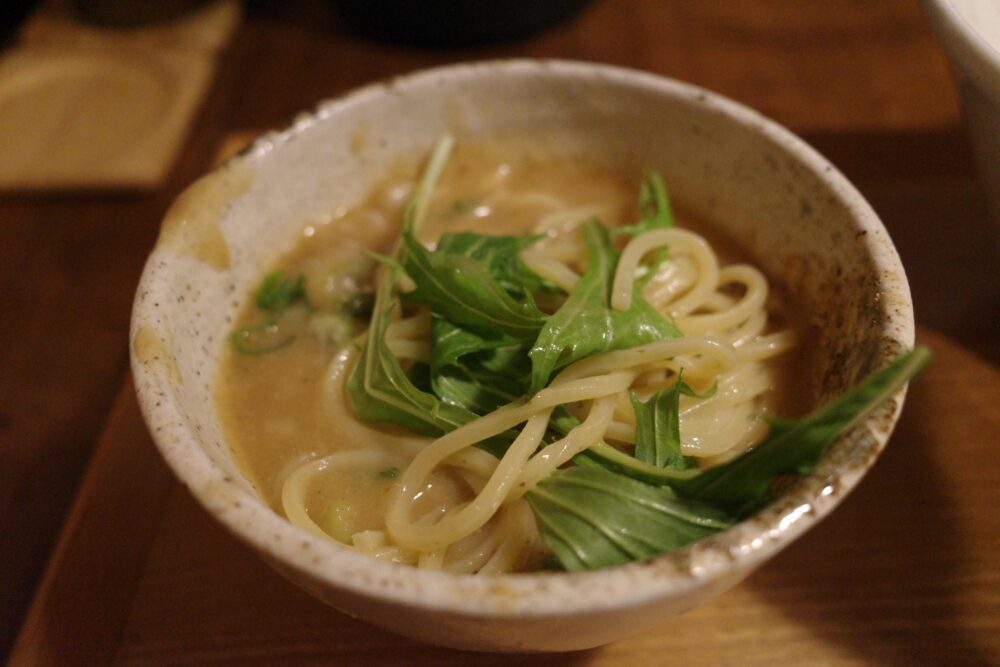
[783, 202]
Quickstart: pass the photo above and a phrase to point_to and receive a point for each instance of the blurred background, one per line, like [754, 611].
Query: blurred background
[108, 108]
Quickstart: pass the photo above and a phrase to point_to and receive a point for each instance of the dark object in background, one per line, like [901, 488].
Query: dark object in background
[129, 13]
[12, 14]
[455, 23]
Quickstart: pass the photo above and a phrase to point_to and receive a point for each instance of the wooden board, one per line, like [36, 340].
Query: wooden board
[88, 107]
[903, 573]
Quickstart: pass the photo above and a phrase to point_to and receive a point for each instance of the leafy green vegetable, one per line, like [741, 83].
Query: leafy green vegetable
[501, 255]
[491, 345]
[274, 296]
[463, 289]
[479, 373]
[385, 260]
[593, 518]
[654, 207]
[744, 484]
[379, 388]
[475, 366]
[656, 212]
[389, 473]
[277, 292]
[658, 428]
[586, 324]
[616, 460]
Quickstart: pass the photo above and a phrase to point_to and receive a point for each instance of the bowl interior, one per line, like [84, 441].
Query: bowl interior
[783, 203]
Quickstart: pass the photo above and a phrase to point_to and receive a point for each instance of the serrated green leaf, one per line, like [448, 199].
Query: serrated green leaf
[501, 255]
[586, 324]
[380, 389]
[464, 291]
[658, 428]
[593, 518]
[654, 207]
[796, 447]
[476, 372]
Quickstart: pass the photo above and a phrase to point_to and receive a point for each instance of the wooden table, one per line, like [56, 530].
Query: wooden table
[904, 573]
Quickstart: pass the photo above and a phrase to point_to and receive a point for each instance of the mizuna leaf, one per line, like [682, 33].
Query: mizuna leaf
[593, 518]
[654, 207]
[379, 388]
[476, 372]
[658, 428]
[586, 324]
[462, 289]
[278, 292]
[381, 391]
[500, 254]
[795, 447]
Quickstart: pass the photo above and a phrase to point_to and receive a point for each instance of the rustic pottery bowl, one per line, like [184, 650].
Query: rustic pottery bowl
[970, 33]
[783, 202]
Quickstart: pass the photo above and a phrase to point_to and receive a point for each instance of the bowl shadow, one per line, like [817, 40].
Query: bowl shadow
[882, 576]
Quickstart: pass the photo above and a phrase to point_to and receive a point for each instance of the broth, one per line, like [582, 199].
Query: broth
[273, 406]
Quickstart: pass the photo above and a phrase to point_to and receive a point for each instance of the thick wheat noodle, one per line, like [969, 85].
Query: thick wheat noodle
[713, 351]
[752, 302]
[584, 436]
[679, 241]
[416, 327]
[297, 484]
[454, 526]
[518, 524]
[725, 344]
[551, 269]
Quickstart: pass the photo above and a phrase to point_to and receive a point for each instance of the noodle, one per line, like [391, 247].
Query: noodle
[480, 521]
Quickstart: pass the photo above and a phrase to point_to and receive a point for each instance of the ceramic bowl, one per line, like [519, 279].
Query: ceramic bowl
[760, 185]
[970, 33]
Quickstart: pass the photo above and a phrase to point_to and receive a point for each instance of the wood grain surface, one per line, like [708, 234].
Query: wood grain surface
[863, 81]
[904, 573]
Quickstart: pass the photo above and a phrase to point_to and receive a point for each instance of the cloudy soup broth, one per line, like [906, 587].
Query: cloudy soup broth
[281, 387]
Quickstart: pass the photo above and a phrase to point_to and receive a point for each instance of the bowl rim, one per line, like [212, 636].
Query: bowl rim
[533, 595]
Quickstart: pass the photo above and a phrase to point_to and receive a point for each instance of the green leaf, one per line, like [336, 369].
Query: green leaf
[416, 208]
[381, 391]
[658, 428]
[586, 324]
[656, 212]
[654, 207]
[463, 290]
[476, 372]
[379, 388]
[795, 447]
[483, 370]
[616, 460]
[277, 292]
[501, 255]
[592, 518]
